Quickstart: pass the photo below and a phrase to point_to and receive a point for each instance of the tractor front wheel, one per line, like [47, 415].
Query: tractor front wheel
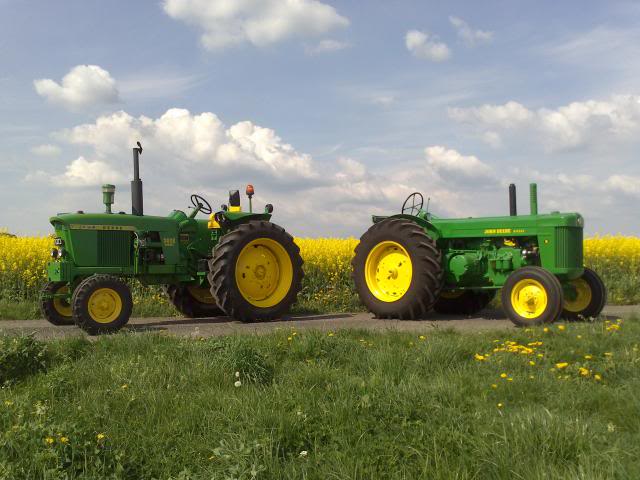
[101, 304]
[56, 310]
[256, 272]
[466, 302]
[193, 301]
[531, 296]
[590, 296]
[397, 270]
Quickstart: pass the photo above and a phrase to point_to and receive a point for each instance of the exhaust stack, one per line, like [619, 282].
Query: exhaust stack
[136, 183]
[533, 198]
[513, 210]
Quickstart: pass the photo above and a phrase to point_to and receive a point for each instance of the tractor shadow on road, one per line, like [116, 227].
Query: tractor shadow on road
[152, 324]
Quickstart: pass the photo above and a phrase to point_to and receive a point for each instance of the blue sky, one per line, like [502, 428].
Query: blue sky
[334, 110]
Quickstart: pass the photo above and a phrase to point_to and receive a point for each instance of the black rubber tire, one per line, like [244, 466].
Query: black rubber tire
[222, 271]
[598, 297]
[468, 303]
[80, 301]
[555, 296]
[188, 305]
[427, 278]
[47, 306]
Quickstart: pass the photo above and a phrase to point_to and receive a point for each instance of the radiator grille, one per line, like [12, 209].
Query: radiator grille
[568, 247]
[114, 249]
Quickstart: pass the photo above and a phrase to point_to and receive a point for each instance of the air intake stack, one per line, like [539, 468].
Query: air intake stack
[136, 183]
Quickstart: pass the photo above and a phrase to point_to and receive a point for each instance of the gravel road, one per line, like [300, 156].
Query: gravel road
[208, 327]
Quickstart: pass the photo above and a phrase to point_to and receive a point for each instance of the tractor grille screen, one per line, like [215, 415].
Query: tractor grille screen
[114, 249]
[568, 247]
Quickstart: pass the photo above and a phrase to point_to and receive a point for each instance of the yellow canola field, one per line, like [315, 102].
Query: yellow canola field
[23, 259]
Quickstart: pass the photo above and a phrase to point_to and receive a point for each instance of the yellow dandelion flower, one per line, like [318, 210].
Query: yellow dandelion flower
[561, 365]
[49, 440]
[503, 375]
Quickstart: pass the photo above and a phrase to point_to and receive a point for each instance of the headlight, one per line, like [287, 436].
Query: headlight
[55, 253]
[58, 242]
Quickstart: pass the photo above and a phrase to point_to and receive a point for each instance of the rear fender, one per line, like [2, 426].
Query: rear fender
[429, 227]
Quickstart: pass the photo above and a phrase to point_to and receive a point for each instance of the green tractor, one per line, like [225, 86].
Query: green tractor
[409, 264]
[234, 263]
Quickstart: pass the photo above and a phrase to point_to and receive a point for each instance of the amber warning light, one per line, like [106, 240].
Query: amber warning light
[250, 191]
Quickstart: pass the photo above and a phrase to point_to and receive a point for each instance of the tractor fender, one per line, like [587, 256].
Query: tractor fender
[429, 227]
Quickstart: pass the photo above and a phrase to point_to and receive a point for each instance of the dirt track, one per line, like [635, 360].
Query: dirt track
[207, 327]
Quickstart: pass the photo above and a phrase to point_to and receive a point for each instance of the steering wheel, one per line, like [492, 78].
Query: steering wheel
[198, 201]
[417, 201]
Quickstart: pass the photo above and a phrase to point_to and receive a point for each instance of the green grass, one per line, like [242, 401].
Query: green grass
[361, 404]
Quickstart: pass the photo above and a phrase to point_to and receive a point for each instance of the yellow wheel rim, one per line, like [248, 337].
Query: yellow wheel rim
[203, 295]
[264, 272]
[61, 305]
[529, 298]
[388, 271]
[451, 295]
[582, 299]
[105, 305]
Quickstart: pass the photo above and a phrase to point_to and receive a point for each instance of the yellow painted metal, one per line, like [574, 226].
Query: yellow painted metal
[583, 296]
[234, 208]
[203, 295]
[388, 271]
[212, 221]
[105, 305]
[264, 272]
[529, 298]
[61, 305]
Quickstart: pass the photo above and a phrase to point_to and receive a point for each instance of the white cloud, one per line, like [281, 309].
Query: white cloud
[426, 46]
[578, 124]
[259, 22]
[83, 86]
[194, 141]
[470, 36]
[452, 164]
[46, 150]
[79, 173]
[627, 184]
[325, 46]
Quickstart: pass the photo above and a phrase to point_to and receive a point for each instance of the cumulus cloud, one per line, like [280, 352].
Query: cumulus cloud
[259, 22]
[79, 173]
[575, 125]
[451, 164]
[470, 36]
[426, 46]
[325, 46]
[83, 86]
[187, 141]
[46, 150]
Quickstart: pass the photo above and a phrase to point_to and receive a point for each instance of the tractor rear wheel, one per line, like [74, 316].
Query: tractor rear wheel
[101, 304]
[193, 301]
[397, 270]
[56, 311]
[466, 302]
[531, 296]
[256, 272]
[591, 295]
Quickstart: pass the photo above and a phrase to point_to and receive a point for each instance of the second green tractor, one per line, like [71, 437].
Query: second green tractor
[411, 263]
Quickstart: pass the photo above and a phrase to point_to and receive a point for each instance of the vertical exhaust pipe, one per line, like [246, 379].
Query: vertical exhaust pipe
[533, 198]
[136, 183]
[513, 210]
